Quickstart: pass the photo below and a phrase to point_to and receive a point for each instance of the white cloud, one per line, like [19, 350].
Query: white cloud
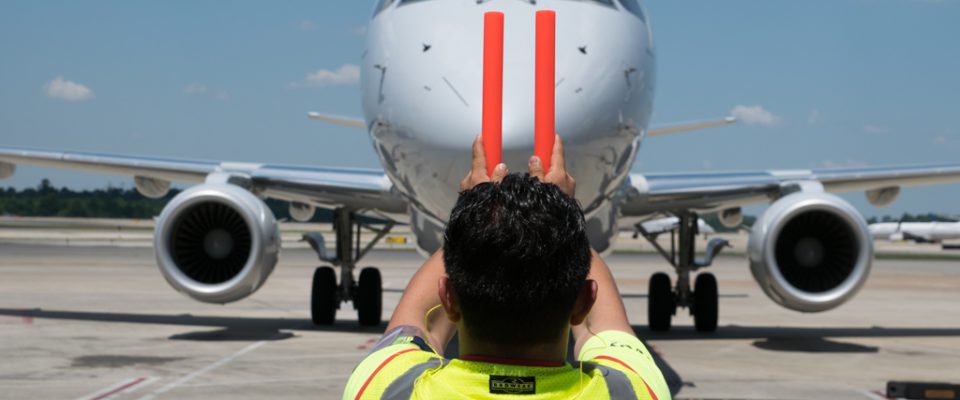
[195, 88]
[755, 115]
[359, 30]
[875, 129]
[307, 25]
[814, 117]
[348, 74]
[63, 89]
[199, 89]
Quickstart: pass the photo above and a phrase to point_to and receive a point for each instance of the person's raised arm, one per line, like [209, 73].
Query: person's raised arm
[418, 299]
[421, 294]
[608, 312]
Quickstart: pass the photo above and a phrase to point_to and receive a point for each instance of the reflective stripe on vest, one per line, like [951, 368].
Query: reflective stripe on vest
[402, 387]
[618, 384]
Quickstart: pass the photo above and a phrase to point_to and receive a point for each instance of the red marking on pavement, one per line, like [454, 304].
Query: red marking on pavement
[883, 395]
[492, 127]
[545, 85]
[24, 318]
[121, 388]
[366, 344]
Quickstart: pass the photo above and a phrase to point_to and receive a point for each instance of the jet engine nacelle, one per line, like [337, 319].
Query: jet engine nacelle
[810, 252]
[217, 243]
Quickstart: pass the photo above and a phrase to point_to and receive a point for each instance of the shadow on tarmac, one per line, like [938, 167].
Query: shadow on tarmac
[812, 345]
[246, 324]
[780, 332]
[231, 328]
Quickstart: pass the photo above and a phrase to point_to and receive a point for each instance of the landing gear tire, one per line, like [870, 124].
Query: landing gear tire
[323, 297]
[369, 297]
[705, 303]
[660, 303]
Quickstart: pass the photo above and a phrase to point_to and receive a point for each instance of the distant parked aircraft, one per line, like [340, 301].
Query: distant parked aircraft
[920, 232]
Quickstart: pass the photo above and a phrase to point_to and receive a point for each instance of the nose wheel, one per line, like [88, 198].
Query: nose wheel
[366, 293]
[705, 305]
[369, 299]
[323, 296]
[660, 303]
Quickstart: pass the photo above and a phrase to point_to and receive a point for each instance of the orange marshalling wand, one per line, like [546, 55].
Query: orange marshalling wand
[543, 123]
[492, 127]
[544, 88]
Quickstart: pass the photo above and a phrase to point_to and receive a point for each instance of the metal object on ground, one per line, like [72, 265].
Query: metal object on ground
[922, 390]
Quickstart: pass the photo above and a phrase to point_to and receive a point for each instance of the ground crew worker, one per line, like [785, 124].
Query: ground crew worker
[515, 276]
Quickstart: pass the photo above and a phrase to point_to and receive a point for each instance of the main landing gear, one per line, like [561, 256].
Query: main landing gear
[366, 293]
[702, 300]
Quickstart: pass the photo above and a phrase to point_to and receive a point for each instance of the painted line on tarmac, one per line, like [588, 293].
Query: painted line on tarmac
[356, 354]
[191, 376]
[267, 381]
[126, 386]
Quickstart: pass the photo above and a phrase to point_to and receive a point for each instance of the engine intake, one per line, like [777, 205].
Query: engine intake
[217, 243]
[810, 252]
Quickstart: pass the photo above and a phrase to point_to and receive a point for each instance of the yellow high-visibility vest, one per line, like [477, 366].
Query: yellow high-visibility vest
[612, 364]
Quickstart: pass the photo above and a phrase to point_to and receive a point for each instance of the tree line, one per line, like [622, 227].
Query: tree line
[48, 201]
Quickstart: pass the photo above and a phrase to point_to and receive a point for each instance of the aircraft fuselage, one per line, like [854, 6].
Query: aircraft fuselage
[422, 83]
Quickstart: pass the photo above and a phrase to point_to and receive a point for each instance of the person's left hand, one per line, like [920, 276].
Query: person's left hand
[478, 168]
[557, 174]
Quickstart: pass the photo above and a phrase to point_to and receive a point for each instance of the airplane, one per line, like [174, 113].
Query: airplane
[919, 232]
[217, 242]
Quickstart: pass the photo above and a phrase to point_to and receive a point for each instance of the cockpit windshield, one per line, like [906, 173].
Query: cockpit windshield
[634, 7]
[608, 3]
[381, 5]
[631, 5]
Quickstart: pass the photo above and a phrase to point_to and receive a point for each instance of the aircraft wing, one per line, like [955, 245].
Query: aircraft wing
[661, 130]
[319, 186]
[707, 191]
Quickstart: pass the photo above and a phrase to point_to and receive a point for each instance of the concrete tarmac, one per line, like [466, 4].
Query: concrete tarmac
[100, 322]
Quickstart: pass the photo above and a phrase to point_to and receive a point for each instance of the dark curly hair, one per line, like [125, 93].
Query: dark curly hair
[516, 253]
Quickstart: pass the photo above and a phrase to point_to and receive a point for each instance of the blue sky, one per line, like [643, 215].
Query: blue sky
[838, 83]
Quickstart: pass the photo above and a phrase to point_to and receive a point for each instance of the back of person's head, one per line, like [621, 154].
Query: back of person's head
[517, 255]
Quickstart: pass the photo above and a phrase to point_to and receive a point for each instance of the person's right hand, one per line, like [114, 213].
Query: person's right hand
[557, 174]
[478, 168]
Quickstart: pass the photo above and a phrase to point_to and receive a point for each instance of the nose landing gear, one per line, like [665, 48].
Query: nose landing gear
[702, 300]
[366, 293]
